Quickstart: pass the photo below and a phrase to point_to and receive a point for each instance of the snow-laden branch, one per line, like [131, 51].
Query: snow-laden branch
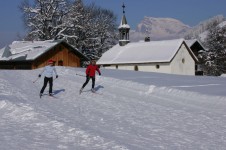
[86, 26]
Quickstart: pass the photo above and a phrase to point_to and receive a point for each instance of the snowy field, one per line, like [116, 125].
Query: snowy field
[130, 111]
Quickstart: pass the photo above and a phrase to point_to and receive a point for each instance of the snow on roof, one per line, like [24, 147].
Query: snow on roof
[2, 51]
[142, 52]
[26, 50]
[190, 42]
[124, 23]
[126, 26]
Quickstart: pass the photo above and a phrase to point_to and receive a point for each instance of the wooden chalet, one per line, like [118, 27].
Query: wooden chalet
[35, 54]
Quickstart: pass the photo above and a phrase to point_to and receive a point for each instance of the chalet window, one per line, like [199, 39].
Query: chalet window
[60, 63]
[136, 68]
[157, 66]
[183, 60]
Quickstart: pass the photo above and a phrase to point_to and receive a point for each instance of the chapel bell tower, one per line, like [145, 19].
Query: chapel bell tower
[123, 30]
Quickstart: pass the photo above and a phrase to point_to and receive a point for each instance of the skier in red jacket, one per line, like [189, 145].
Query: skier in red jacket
[90, 73]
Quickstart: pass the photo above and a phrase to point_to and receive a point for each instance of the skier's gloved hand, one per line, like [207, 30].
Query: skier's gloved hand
[99, 74]
[87, 75]
[56, 76]
[39, 75]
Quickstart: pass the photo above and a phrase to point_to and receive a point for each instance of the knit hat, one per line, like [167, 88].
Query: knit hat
[50, 61]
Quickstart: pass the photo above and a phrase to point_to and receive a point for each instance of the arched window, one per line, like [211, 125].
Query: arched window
[157, 66]
[136, 68]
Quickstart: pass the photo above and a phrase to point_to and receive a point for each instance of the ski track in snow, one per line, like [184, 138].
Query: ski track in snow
[122, 115]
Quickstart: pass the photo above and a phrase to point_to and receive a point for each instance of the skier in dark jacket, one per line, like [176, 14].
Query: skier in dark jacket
[90, 73]
[48, 71]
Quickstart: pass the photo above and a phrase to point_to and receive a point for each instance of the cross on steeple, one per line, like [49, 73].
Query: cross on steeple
[123, 6]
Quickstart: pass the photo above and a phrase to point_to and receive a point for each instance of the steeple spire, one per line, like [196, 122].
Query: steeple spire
[124, 29]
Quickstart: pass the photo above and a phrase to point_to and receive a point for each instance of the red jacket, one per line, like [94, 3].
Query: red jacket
[91, 70]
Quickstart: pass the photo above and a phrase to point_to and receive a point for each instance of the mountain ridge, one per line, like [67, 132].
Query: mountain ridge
[168, 28]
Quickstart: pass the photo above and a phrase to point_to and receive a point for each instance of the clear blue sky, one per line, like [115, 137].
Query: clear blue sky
[190, 12]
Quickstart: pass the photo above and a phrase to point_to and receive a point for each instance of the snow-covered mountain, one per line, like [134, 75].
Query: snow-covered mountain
[159, 29]
[169, 28]
[130, 111]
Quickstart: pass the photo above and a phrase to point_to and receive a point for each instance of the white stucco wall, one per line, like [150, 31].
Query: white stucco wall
[176, 66]
[186, 67]
[163, 67]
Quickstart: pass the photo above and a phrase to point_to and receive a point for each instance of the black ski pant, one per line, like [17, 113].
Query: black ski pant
[87, 80]
[46, 80]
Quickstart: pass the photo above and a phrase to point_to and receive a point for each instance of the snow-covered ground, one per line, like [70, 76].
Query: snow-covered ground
[130, 111]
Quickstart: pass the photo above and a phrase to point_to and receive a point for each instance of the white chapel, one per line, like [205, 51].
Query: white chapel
[168, 56]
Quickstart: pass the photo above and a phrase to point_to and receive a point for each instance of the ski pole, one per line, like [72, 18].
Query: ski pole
[35, 80]
[80, 75]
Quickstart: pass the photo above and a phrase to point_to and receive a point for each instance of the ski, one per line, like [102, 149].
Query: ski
[93, 91]
[52, 96]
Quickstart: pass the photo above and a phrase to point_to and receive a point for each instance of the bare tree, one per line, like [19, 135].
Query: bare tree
[44, 20]
[87, 27]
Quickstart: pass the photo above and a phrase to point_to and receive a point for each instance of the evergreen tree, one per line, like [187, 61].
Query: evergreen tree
[195, 32]
[215, 56]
